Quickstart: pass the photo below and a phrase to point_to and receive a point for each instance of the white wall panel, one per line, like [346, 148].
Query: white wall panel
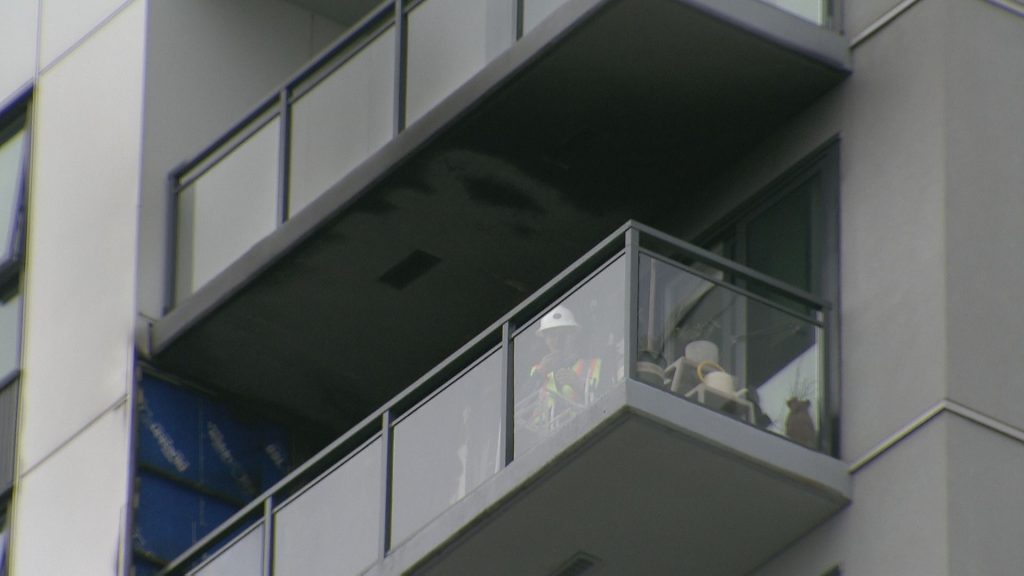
[69, 509]
[65, 22]
[82, 231]
[17, 44]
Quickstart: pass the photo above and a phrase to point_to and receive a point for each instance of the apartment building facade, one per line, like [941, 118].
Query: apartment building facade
[276, 278]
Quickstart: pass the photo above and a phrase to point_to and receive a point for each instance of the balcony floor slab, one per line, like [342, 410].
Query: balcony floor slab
[645, 483]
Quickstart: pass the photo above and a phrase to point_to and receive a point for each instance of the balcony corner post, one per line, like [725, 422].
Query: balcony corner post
[387, 470]
[632, 299]
[507, 449]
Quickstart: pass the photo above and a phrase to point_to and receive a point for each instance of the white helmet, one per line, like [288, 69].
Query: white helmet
[558, 317]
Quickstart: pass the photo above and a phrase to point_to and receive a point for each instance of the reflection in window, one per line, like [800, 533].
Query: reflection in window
[570, 357]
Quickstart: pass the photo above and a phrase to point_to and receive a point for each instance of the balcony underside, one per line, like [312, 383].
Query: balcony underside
[609, 110]
[654, 485]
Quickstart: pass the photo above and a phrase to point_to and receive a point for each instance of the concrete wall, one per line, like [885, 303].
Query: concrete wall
[74, 423]
[985, 209]
[889, 117]
[208, 63]
[932, 134]
[897, 523]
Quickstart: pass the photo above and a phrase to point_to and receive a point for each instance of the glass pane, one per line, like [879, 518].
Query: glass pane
[343, 120]
[228, 209]
[10, 335]
[570, 357]
[535, 11]
[701, 340]
[243, 558]
[449, 41]
[8, 429]
[447, 447]
[334, 526]
[11, 163]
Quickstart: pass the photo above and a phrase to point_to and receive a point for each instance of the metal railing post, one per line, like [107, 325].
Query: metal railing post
[387, 470]
[268, 535]
[401, 48]
[632, 299]
[284, 153]
[507, 394]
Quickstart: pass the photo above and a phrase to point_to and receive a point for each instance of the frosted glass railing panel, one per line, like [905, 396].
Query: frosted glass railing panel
[449, 41]
[570, 357]
[534, 11]
[447, 447]
[333, 527]
[243, 558]
[228, 209]
[347, 117]
[813, 10]
[741, 356]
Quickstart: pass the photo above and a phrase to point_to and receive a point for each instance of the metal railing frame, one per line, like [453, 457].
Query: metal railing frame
[631, 241]
[279, 105]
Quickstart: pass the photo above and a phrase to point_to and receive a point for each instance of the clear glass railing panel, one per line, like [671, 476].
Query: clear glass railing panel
[344, 119]
[569, 357]
[228, 209]
[447, 447]
[244, 557]
[535, 11]
[739, 355]
[333, 526]
[449, 41]
[816, 11]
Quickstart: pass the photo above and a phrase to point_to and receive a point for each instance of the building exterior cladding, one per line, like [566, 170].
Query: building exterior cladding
[928, 126]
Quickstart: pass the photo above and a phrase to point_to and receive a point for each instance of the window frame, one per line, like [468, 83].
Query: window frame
[822, 163]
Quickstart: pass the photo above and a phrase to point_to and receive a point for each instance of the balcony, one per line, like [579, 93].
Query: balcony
[446, 148]
[652, 409]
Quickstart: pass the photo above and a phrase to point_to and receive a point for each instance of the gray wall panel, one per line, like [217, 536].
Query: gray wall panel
[984, 209]
[985, 501]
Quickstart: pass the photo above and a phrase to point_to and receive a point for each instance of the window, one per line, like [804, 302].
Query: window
[789, 232]
[13, 162]
[13, 177]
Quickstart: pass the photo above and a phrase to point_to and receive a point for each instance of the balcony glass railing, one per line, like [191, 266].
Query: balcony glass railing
[388, 71]
[706, 329]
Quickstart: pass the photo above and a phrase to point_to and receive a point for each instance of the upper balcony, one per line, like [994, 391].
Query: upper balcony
[654, 409]
[443, 159]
